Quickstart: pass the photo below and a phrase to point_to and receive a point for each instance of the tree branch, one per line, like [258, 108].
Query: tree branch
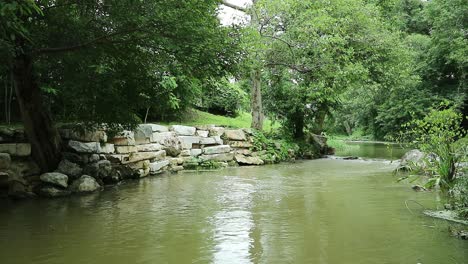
[290, 46]
[233, 6]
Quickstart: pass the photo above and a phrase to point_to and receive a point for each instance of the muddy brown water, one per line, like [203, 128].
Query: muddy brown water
[320, 211]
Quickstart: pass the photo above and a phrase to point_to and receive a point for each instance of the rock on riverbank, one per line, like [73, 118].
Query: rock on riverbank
[93, 158]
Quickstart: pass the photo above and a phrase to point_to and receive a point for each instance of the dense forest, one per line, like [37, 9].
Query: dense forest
[355, 67]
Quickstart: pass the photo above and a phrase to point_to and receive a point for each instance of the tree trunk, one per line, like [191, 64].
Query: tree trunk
[349, 130]
[256, 78]
[298, 125]
[256, 104]
[40, 130]
[319, 121]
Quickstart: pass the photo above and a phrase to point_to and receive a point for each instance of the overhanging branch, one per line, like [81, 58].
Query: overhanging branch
[233, 6]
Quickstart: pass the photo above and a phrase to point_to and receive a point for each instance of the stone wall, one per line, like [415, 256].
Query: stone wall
[93, 159]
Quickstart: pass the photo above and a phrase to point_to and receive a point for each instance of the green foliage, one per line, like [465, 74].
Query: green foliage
[223, 98]
[274, 150]
[210, 165]
[321, 54]
[340, 145]
[108, 62]
[411, 70]
[13, 26]
[447, 61]
[459, 195]
[192, 117]
[437, 133]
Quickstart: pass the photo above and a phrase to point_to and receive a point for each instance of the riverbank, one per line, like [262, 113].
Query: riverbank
[93, 159]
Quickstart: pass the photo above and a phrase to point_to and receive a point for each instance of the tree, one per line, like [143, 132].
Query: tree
[101, 58]
[320, 50]
[254, 48]
[446, 58]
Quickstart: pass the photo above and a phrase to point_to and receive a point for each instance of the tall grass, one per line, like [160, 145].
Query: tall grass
[341, 146]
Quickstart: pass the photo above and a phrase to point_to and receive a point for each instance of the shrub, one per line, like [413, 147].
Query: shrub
[276, 150]
[223, 98]
[437, 133]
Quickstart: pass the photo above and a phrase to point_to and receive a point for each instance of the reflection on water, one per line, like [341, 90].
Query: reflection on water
[233, 224]
[322, 211]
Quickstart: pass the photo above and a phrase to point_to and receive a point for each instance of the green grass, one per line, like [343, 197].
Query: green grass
[197, 118]
[339, 144]
[12, 125]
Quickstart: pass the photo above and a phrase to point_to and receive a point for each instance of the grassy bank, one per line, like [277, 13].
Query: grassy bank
[197, 118]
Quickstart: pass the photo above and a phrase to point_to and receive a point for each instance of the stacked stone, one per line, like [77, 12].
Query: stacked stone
[92, 158]
[241, 141]
[16, 165]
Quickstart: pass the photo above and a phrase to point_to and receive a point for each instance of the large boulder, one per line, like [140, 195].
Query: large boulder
[157, 166]
[124, 138]
[317, 146]
[144, 133]
[202, 133]
[412, 159]
[25, 167]
[188, 141]
[12, 135]
[125, 149]
[243, 160]
[139, 165]
[85, 184]
[53, 192]
[55, 178]
[16, 149]
[185, 153]
[216, 131]
[183, 130]
[144, 172]
[176, 161]
[115, 158]
[161, 137]
[19, 190]
[240, 144]
[217, 157]
[103, 171]
[216, 149]
[172, 151]
[70, 169]
[237, 135]
[177, 168]
[245, 152]
[209, 141]
[195, 152]
[84, 135]
[5, 161]
[149, 147]
[76, 158]
[139, 156]
[91, 147]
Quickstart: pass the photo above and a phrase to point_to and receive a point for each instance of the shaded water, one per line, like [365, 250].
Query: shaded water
[321, 211]
[369, 149]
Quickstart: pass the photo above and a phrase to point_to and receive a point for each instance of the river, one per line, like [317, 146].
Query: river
[321, 211]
